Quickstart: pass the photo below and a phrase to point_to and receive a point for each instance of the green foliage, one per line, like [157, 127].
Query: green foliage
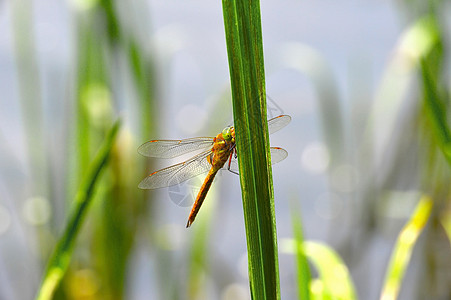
[403, 249]
[334, 280]
[419, 48]
[60, 259]
[303, 269]
[245, 53]
[104, 38]
[436, 109]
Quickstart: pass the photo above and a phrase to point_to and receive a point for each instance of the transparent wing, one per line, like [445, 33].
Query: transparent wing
[277, 155]
[174, 148]
[277, 123]
[177, 173]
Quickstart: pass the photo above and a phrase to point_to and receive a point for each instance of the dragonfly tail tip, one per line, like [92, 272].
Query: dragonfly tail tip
[188, 224]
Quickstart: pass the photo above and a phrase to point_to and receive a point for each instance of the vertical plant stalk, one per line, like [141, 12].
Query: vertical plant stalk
[61, 256]
[245, 53]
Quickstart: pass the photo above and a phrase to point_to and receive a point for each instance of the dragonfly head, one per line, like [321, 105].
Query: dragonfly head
[227, 134]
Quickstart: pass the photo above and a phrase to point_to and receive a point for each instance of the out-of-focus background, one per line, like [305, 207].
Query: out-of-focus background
[360, 149]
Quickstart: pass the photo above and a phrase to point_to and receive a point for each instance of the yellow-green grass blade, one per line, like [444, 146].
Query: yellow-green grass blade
[335, 281]
[245, 54]
[61, 256]
[445, 220]
[403, 249]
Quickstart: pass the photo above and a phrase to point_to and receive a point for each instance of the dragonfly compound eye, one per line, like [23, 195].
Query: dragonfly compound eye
[227, 133]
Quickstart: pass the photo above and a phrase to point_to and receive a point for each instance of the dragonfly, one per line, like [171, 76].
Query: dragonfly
[216, 153]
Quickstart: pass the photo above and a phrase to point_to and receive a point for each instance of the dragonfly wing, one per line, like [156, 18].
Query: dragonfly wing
[178, 173]
[174, 148]
[277, 123]
[277, 155]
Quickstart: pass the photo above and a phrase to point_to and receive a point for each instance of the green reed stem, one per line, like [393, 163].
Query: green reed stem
[245, 52]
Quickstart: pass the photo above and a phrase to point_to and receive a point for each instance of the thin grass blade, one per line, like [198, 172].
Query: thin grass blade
[436, 112]
[334, 281]
[61, 256]
[303, 269]
[334, 277]
[403, 249]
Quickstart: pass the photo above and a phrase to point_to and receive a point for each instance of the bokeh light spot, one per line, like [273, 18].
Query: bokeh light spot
[315, 158]
[96, 99]
[36, 211]
[83, 5]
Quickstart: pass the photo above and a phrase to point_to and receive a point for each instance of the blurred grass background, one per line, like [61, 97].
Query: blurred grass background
[369, 139]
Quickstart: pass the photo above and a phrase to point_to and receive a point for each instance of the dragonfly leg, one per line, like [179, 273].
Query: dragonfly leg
[234, 150]
[230, 162]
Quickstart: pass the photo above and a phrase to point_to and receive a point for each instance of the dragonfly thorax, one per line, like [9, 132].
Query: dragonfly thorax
[227, 133]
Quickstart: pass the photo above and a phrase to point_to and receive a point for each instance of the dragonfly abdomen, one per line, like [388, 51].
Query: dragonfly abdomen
[201, 195]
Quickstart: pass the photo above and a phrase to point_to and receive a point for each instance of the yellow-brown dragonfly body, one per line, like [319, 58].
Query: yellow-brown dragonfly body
[217, 152]
[222, 151]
